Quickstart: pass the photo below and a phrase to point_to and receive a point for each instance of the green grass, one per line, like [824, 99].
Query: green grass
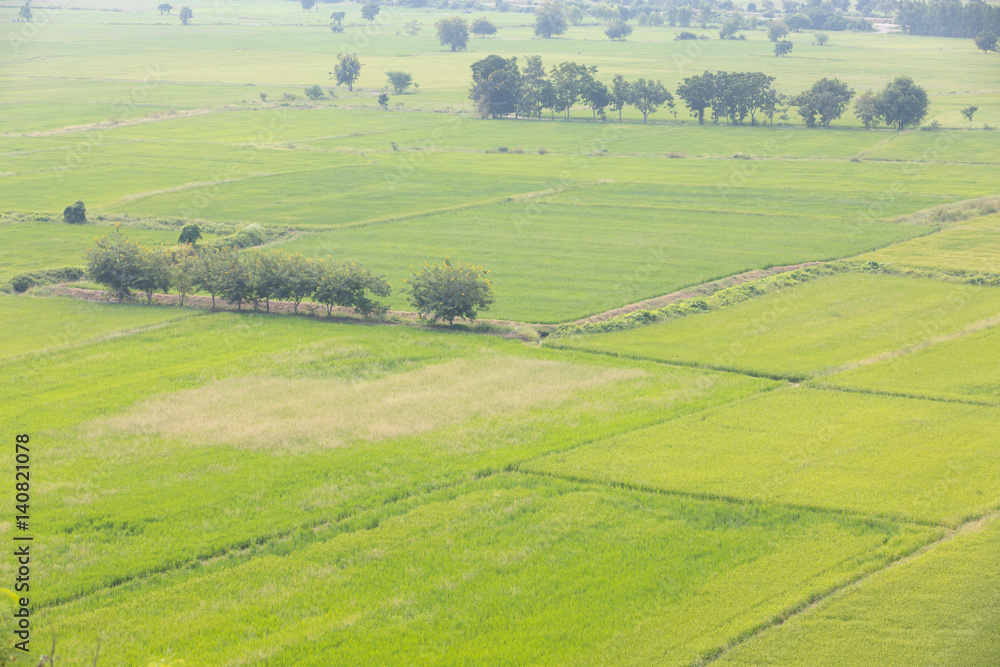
[574, 573]
[875, 455]
[963, 369]
[940, 608]
[808, 329]
[968, 250]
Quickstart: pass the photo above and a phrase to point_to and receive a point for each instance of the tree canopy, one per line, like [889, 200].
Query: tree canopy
[827, 100]
[550, 20]
[347, 70]
[453, 32]
[901, 103]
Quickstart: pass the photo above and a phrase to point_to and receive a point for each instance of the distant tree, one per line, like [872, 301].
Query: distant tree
[621, 93]
[383, 100]
[154, 272]
[267, 276]
[299, 276]
[413, 27]
[347, 70]
[751, 6]
[596, 95]
[782, 47]
[496, 85]
[776, 30]
[369, 11]
[183, 275]
[536, 92]
[115, 261]
[165, 8]
[968, 113]
[575, 15]
[308, 4]
[208, 271]
[190, 234]
[447, 291]
[351, 285]
[901, 103]
[453, 32]
[618, 30]
[482, 27]
[550, 20]
[647, 97]
[186, 15]
[399, 81]
[797, 22]
[314, 92]
[821, 38]
[236, 281]
[986, 42]
[25, 11]
[75, 214]
[731, 26]
[684, 16]
[567, 80]
[827, 99]
[864, 109]
[337, 21]
[698, 92]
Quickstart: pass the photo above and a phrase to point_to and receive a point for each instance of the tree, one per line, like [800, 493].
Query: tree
[482, 27]
[337, 21]
[596, 95]
[347, 70]
[165, 8]
[698, 92]
[618, 30]
[776, 30]
[621, 93]
[369, 11]
[186, 15]
[496, 85]
[969, 112]
[648, 96]
[568, 80]
[383, 100]
[25, 11]
[413, 27]
[985, 42]
[550, 20]
[190, 234]
[453, 32]
[75, 214]
[782, 47]
[797, 22]
[828, 99]
[298, 279]
[901, 103]
[208, 271]
[575, 15]
[268, 276]
[821, 38]
[154, 272]
[115, 262]
[183, 275]
[351, 285]
[399, 81]
[536, 92]
[308, 4]
[236, 281]
[864, 109]
[314, 92]
[447, 291]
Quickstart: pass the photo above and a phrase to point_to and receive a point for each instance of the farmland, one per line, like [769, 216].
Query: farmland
[798, 471]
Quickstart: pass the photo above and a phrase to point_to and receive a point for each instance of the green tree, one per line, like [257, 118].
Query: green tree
[797, 22]
[596, 95]
[447, 291]
[268, 276]
[496, 85]
[369, 11]
[413, 27]
[308, 4]
[864, 109]
[575, 15]
[986, 42]
[901, 103]
[75, 214]
[190, 234]
[968, 113]
[782, 47]
[347, 70]
[383, 100]
[337, 21]
[154, 272]
[776, 30]
[648, 96]
[299, 279]
[399, 81]
[314, 92]
[115, 261]
[821, 38]
[536, 92]
[827, 99]
[186, 15]
[698, 91]
[568, 80]
[550, 20]
[482, 27]
[618, 30]
[25, 11]
[184, 273]
[453, 32]
[350, 285]
[208, 270]
[165, 8]
[621, 93]
[236, 281]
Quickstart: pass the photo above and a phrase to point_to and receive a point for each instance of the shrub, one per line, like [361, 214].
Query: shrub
[75, 214]
[349, 286]
[686, 35]
[447, 291]
[190, 234]
[314, 92]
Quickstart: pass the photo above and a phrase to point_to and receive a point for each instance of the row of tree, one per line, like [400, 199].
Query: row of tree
[124, 267]
[501, 88]
[947, 18]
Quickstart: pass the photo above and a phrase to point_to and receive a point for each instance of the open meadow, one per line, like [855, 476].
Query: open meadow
[650, 452]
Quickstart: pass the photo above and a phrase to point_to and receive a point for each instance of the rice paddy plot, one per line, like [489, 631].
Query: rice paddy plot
[876, 455]
[576, 574]
[810, 328]
[951, 250]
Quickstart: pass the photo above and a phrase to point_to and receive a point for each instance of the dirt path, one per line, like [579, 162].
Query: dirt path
[705, 289]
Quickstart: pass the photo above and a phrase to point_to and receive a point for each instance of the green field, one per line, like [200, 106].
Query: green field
[803, 477]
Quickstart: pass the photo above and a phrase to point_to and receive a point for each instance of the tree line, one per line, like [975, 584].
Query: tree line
[500, 88]
[256, 277]
[943, 18]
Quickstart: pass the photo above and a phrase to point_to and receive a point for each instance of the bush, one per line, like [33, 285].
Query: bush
[75, 214]
[447, 291]
[247, 237]
[190, 234]
[686, 35]
[349, 286]
[314, 92]
[25, 281]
